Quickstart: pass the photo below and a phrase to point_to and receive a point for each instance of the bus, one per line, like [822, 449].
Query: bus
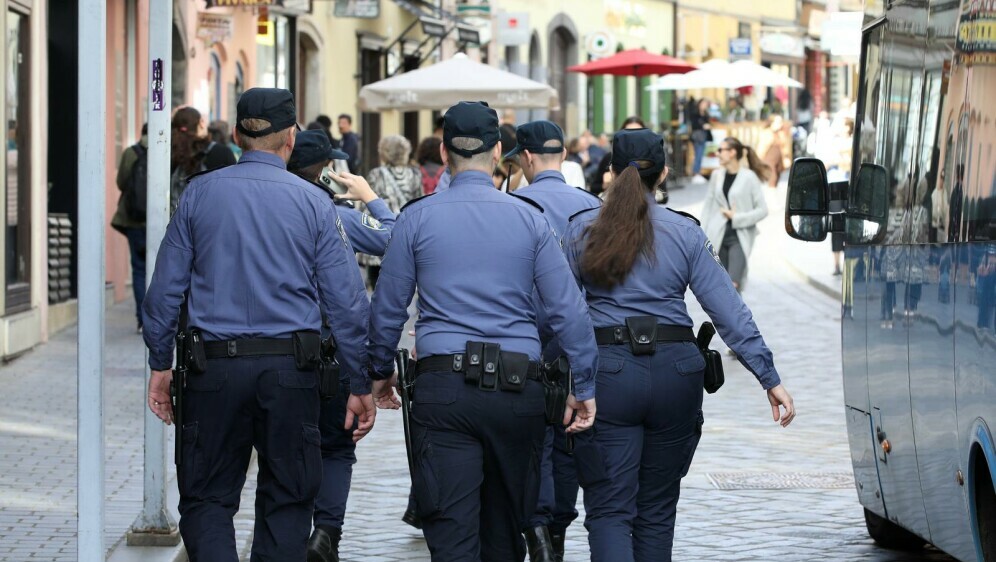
[919, 283]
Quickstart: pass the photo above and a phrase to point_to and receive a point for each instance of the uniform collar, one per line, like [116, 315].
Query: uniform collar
[472, 177]
[263, 158]
[652, 198]
[549, 174]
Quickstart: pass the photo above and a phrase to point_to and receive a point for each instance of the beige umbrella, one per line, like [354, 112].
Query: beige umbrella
[458, 79]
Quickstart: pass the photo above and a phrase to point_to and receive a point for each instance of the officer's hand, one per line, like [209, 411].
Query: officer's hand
[360, 408]
[383, 394]
[582, 412]
[778, 396]
[159, 401]
[357, 188]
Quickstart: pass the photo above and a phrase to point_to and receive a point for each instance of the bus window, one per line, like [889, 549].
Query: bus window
[862, 226]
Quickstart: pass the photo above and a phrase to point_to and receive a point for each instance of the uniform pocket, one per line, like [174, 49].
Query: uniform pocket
[691, 366]
[311, 461]
[297, 379]
[530, 403]
[693, 444]
[434, 395]
[609, 365]
[189, 475]
[589, 458]
[425, 480]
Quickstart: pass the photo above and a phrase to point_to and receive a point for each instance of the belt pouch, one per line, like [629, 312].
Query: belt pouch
[513, 371]
[307, 350]
[473, 358]
[642, 334]
[328, 378]
[196, 356]
[490, 363]
[714, 376]
[555, 389]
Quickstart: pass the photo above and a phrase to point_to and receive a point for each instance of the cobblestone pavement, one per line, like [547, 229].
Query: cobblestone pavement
[820, 522]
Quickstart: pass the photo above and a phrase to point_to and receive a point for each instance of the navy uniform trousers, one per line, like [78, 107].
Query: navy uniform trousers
[238, 404]
[338, 458]
[630, 464]
[558, 494]
[477, 457]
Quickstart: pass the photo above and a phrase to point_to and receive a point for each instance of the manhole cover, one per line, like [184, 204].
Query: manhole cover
[780, 481]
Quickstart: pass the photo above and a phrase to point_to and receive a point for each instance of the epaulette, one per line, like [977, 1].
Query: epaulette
[581, 212]
[201, 173]
[405, 206]
[528, 200]
[586, 192]
[686, 215]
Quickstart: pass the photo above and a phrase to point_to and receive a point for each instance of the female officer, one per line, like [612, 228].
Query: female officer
[635, 260]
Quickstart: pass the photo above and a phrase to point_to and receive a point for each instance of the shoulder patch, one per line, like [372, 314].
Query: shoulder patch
[579, 213]
[586, 192]
[405, 206]
[370, 222]
[686, 215]
[342, 230]
[712, 250]
[528, 200]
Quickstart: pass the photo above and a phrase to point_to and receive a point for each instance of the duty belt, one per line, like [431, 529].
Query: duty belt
[457, 364]
[617, 335]
[248, 347]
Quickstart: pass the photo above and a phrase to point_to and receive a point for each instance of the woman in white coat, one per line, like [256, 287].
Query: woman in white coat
[734, 205]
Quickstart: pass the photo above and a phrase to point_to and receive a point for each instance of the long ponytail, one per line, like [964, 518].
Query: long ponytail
[754, 162]
[622, 230]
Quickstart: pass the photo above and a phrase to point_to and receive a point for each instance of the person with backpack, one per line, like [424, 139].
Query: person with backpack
[192, 151]
[129, 219]
[430, 163]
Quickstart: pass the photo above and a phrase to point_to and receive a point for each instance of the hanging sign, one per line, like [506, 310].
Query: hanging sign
[513, 28]
[214, 28]
[357, 8]
[237, 3]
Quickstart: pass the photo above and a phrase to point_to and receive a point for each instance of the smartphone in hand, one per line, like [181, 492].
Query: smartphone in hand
[330, 180]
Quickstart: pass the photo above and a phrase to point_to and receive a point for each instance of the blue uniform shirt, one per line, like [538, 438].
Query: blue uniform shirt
[261, 252]
[684, 258]
[368, 233]
[475, 255]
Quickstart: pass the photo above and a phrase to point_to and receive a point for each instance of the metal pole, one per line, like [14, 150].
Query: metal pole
[155, 526]
[90, 352]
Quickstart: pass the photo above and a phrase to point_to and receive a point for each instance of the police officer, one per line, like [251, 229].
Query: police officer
[540, 151]
[635, 260]
[312, 160]
[475, 255]
[260, 254]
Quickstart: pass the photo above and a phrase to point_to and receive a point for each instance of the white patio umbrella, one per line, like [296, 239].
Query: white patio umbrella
[721, 74]
[458, 79]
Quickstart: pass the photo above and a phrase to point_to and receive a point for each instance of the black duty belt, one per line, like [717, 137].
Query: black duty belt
[617, 335]
[248, 347]
[456, 363]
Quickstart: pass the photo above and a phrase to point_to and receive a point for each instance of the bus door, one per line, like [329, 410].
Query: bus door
[888, 126]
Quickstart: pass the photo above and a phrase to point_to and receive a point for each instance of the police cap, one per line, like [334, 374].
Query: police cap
[533, 135]
[312, 147]
[275, 105]
[474, 120]
[636, 145]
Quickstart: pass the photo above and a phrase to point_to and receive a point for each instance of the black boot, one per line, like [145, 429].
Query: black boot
[540, 546]
[412, 518]
[557, 536]
[323, 546]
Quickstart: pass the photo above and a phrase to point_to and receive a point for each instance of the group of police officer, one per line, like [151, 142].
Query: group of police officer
[257, 271]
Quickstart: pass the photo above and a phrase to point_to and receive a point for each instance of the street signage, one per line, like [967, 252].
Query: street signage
[468, 34]
[236, 3]
[740, 48]
[432, 27]
[214, 28]
[367, 9]
[513, 28]
[599, 44]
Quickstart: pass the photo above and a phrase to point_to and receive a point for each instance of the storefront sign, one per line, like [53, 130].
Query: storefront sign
[214, 28]
[357, 8]
[236, 3]
[158, 86]
[513, 28]
[976, 28]
[740, 48]
[626, 17]
[783, 44]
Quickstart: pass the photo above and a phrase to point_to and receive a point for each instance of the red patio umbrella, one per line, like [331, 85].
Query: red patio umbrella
[634, 62]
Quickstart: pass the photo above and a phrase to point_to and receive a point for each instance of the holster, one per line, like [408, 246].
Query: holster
[642, 334]
[195, 357]
[556, 387]
[328, 370]
[713, 377]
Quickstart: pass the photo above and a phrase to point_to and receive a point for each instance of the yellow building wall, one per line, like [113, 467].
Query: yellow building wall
[749, 10]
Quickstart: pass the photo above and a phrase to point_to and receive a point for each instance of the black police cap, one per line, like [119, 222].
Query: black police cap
[275, 105]
[471, 119]
[636, 145]
[533, 135]
[312, 147]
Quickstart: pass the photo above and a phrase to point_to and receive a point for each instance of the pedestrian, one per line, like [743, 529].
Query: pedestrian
[350, 143]
[325, 122]
[700, 135]
[312, 156]
[192, 152]
[220, 133]
[475, 254]
[129, 218]
[255, 255]
[430, 163]
[395, 181]
[540, 153]
[770, 147]
[598, 177]
[734, 204]
[635, 260]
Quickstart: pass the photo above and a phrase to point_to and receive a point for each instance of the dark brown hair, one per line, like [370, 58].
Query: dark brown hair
[186, 147]
[428, 151]
[622, 230]
[762, 170]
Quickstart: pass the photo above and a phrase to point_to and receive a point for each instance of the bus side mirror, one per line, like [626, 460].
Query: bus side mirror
[807, 208]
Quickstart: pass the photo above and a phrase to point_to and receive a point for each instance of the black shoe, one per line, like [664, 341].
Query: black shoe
[323, 546]
[412, 519]
[540, 545]
[557, 536]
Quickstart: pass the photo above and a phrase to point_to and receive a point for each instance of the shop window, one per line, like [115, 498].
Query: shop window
[17, 223]
[214, 82]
